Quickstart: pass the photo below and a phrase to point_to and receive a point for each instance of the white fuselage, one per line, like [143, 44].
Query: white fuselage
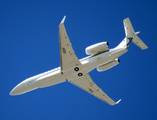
[56, 76]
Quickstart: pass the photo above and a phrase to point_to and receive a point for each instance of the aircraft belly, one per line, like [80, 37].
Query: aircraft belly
[50, 79]
[96, 61]
[118, 53]
[58, 77]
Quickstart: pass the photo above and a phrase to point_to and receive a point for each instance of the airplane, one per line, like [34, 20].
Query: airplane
[76, 71]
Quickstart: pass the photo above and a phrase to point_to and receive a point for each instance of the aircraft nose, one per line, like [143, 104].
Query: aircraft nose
[20, 88]
[16, 90]
[13, 92]
[23, 87]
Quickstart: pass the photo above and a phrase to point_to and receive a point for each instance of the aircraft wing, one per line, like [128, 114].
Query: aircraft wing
[86, 83]
[67, 54]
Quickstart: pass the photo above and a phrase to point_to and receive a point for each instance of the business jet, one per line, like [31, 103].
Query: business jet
[76, 71]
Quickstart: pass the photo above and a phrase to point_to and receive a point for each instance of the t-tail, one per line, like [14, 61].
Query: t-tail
[131, 36]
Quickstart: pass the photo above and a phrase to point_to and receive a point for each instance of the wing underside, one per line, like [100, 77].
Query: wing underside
[67, 55]
[86, 83]
[69, 59]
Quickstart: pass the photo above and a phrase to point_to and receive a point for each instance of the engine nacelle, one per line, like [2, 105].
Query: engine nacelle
[108, 65]
[97, 48]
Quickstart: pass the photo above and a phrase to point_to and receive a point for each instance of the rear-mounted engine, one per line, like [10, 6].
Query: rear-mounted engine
[97, 48]
[108, 65]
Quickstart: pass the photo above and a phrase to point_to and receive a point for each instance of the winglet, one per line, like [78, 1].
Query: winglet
[118, 101]
[63, 20]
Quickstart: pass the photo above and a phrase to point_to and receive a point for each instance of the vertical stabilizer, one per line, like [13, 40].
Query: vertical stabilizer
[129, 30]
[131, 35]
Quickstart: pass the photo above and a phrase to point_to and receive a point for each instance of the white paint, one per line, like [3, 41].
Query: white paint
[104, 60]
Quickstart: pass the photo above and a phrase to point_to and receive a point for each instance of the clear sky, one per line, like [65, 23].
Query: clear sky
[29, 45]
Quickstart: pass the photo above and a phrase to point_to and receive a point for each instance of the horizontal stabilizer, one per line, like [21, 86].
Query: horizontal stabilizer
[139, 42]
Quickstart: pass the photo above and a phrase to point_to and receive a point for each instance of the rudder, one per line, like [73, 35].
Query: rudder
[129, 30]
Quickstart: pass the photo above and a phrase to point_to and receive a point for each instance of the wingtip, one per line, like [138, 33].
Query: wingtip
[118, 101]
[126, 19]
[63, 19]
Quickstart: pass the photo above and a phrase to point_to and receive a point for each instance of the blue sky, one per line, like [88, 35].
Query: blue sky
[29, 45]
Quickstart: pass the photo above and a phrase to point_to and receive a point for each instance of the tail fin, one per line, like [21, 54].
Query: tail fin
[131, 35]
